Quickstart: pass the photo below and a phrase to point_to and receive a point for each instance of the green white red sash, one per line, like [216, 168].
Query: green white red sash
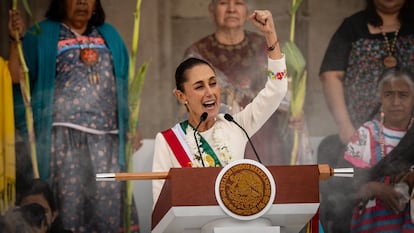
[175, 138]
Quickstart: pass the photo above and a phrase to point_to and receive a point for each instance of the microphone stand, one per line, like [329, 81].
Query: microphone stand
[231, 119]
[203, 117]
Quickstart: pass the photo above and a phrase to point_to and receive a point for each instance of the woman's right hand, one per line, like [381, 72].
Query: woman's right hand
[384, 192]
[346, 133]
[16, 23]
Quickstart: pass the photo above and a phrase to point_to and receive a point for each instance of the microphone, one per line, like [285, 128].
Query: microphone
[231, 119]
[203, 117]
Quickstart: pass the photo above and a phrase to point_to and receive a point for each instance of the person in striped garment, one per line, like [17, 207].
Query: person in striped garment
[379, 207]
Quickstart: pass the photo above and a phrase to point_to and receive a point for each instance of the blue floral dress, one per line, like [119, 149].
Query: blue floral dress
[85, 137]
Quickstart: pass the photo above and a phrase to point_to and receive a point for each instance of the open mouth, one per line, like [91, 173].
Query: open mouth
[209, 104]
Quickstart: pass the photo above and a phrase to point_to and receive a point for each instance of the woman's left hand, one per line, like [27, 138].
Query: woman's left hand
[407, 177]
[137, 143]
[384, 192]
[297, 122]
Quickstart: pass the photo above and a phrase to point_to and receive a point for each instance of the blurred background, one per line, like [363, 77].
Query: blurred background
[168, 27]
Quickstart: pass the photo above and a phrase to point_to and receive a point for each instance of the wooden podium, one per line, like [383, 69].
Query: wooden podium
[187, 201]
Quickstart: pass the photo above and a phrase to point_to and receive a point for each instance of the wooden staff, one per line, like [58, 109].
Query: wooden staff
[325, 172]
[131, 176]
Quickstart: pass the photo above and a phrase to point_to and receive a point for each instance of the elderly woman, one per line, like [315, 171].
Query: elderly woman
[381, 208]
[218, 141]
[78, 74]
[234, 53]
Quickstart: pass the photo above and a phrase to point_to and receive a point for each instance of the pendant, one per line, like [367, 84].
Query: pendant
[89, 56]
[93, 77]
[390, 61]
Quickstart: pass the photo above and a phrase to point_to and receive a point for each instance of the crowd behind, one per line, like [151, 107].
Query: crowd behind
[78, 76]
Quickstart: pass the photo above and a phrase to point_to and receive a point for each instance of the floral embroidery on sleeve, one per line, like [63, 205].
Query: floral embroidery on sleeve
[278, 76]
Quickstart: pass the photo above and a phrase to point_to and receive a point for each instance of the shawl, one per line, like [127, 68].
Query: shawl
[41, 61]
[7, 152]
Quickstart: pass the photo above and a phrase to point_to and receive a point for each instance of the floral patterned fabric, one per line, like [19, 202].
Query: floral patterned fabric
[76, 100]
[364, 150]
[77, 155]
[360, 54]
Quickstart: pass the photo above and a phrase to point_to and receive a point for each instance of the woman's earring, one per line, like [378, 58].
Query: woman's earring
[186, 102]
[382, 117]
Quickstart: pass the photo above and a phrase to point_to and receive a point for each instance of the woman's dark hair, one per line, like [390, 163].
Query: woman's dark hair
[406, 13]
[57, 12]
[38, 187]
[187, 64]
[34, 214]
[24, 219]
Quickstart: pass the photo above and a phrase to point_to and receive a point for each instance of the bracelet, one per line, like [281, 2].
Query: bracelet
[273, 46]
[12, 39]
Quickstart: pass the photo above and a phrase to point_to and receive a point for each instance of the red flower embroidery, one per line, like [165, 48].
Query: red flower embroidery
[280, 75]
[355, 137]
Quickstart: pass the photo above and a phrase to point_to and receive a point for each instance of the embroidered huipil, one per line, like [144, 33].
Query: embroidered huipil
[364, 151]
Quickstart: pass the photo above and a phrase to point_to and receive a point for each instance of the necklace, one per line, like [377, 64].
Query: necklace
[381, 135]
[390, 60]
[218, 143]
[90, 58]
[88, 55]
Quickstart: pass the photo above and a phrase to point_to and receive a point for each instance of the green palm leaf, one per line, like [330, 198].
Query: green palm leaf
[135, 86]
[295, 62]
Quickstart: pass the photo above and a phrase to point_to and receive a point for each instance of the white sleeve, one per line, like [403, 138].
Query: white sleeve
[161, 163]
[267, 100]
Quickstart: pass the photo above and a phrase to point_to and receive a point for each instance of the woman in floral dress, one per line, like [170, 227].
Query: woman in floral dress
[79, 77]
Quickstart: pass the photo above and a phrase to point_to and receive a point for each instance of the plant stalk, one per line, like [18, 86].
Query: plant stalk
[133, 106]
[25, 90]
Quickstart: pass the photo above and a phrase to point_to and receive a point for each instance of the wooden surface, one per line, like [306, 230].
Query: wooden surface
[195, 187]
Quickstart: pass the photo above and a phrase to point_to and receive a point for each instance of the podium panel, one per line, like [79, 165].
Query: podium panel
[187, 201]
[291, 218]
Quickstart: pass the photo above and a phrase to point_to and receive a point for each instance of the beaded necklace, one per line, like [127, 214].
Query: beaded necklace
[88, 55]
[390, 60]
